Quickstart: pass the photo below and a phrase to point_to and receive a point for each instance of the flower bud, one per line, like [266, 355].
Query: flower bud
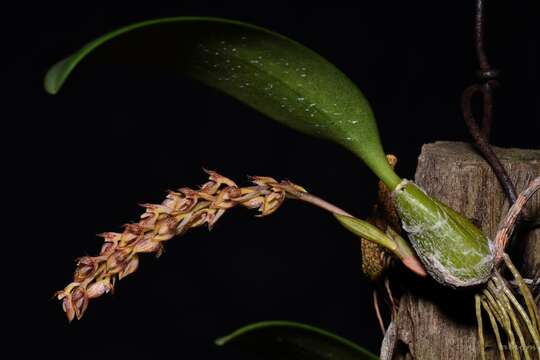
[98, 288]
[68, 308]
[79, 301]
[147, 245]
[130, 267]
[85, 267]
[272, 202]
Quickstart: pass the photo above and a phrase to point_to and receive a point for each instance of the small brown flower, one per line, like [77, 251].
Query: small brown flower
[130, 267]
[99, 288]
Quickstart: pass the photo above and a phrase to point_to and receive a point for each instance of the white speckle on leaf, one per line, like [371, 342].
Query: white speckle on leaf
[303, 75]
[300, 99]
[354, 122]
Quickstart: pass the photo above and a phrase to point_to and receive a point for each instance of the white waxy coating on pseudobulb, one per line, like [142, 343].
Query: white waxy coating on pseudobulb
[452, 249]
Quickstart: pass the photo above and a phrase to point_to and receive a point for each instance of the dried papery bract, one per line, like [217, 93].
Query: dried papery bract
[383, 215]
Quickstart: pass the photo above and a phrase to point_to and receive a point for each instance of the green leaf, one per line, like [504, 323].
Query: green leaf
[390, 240]
[367, 231]
[271, 73]
[290, 340]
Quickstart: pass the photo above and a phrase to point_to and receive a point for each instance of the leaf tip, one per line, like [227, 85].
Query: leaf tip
[56, 76]
[222, 340]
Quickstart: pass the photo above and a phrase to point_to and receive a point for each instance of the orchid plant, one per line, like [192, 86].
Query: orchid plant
[295, 86]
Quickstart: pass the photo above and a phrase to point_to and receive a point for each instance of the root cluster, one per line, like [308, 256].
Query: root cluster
[519, 324]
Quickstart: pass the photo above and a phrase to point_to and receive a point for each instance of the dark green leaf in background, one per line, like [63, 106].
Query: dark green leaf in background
[286, 340]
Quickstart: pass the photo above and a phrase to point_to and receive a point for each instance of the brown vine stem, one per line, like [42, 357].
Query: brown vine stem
[507, 227]
[479, 32]
[378, 311]
[481, 135]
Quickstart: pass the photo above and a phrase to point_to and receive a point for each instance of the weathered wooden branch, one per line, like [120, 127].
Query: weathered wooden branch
[438, 323]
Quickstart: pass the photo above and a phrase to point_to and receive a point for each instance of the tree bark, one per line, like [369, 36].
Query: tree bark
[438, 323]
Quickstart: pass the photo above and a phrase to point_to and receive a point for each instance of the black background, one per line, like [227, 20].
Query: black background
[81, 161]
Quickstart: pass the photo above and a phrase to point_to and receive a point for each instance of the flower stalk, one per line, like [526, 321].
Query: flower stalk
[180, 211]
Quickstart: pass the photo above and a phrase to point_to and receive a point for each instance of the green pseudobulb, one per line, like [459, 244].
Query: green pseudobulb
[453, 250]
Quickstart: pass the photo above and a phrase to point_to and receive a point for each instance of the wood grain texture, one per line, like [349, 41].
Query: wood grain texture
[438, 323]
